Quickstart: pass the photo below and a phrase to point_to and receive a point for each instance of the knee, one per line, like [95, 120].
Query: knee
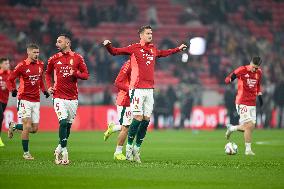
[249, 126]
[138, 117]
[34, 130]
[63, 123]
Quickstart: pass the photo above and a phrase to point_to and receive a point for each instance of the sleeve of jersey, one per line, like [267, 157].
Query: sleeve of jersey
[120, 81]
[239, 71]
[48, 75]
[119, 51]
[82, 73]
[11, 84]
[164, 53]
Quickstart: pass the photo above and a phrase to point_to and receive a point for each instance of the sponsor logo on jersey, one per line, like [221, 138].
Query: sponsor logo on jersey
[59, 62]
[28, 70]
[251, 82]
[34, 78]
[65, 71]
[247, 75]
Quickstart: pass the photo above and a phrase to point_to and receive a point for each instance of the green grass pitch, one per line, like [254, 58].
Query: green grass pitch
[171, 159]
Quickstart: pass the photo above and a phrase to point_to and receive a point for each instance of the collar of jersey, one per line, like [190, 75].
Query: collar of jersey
[66, 53]
[29, 62]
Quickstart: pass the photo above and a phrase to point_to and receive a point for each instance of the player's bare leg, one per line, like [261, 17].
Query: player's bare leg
[120, 142]
[27, 122]
[247, 128]
[11, 129]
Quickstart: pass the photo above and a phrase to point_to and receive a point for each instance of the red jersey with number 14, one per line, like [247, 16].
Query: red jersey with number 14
[122, 83]
[143, 60]
[248, 85]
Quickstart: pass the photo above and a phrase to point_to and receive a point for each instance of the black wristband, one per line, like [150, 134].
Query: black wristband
[233, 77]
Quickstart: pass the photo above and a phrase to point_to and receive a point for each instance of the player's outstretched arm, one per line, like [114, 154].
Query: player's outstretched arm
[164, 53]
[117, 51]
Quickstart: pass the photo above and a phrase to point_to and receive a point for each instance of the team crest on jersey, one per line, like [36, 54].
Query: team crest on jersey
[71, 61]
[251, 82]
[39, 70]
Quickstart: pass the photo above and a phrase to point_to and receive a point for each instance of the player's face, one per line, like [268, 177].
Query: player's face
[62, 43]
[146, 36]
[5, 65]
[254, 67]
[33, 54]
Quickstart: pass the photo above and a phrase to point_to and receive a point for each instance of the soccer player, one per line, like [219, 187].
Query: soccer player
[123, 109]
[30, 73]
[68, 67]
[249, 79]
[143, 58]
[4, 92]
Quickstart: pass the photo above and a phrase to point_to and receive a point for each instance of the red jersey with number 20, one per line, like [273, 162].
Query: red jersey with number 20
[122, 83]
[248, 85]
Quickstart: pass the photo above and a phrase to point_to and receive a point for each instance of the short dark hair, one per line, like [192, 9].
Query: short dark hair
[256, 60]
[3, 59]
[65, 35]
[32, 46]
[143, 28]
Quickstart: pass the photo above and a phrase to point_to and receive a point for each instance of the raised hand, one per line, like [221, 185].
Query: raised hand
[183, 47]
[106, 42]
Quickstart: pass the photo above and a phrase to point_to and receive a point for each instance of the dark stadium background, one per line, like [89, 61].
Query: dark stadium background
[234, 32]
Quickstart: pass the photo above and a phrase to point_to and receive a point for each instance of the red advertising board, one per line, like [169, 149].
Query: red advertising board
[97, 117]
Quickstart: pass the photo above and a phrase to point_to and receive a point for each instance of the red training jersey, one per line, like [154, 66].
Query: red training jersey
[143, 59]
[248, 85]
[31, 80]
[4, 92]
[122, 83]
[65, 84]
